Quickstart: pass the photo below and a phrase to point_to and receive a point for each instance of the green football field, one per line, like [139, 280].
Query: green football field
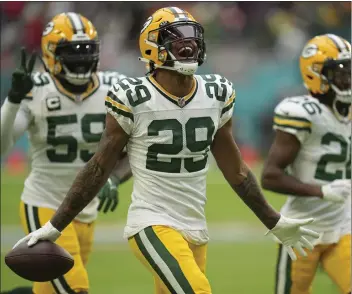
[240, 259]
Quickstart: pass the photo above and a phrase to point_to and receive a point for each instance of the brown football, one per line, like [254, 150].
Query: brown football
[45, 261]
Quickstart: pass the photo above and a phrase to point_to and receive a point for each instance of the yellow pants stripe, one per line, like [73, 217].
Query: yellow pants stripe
[161, 260]
[32, 218]
[283, 273]
[33, 223]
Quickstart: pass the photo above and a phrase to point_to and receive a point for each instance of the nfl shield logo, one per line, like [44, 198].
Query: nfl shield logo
[181, 102]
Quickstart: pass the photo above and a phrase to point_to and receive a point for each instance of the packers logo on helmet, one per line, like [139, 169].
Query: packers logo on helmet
[325, 65]
[172, 39]
[70, 47]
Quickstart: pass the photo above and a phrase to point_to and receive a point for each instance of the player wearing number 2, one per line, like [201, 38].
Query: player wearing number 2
[64, 113]
[313, 140]
[170, 120]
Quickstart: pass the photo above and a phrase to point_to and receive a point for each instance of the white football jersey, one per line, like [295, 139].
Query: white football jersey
[325, 156]
[64, 133]
[170, 139]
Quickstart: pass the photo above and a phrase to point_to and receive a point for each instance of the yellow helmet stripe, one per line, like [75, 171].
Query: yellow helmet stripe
[179, 13]
[76, 22]
[339, 43]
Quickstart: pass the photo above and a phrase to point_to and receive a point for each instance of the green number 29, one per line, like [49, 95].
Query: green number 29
[173, 164]
[70, 142]
[321, 172]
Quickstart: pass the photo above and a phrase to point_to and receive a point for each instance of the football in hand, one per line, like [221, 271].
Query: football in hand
[45, 261]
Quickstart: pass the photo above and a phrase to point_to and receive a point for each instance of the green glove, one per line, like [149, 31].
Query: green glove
[21, 79]
[109, 196]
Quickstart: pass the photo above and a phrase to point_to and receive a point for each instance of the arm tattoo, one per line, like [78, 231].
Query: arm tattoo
[86, 185]
[251, 194]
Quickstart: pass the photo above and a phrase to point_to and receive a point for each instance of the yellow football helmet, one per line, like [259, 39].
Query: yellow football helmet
[70, 48]
[325, 65]
[171, 30]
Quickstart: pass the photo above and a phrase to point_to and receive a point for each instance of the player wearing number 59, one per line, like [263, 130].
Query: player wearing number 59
[313, 142]
[64, 113]
[171, 119]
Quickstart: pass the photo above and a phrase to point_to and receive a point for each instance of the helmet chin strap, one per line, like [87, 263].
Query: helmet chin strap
[342, 118]
[76, 79]
[186, 69]
[344, 97]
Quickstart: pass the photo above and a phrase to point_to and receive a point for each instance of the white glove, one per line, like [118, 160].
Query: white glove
[46, 232]
[337, 191]
[290, 233]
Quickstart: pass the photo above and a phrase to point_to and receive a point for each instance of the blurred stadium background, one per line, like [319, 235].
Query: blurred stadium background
[256, 45]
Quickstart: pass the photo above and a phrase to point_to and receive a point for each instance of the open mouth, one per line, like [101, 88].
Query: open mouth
[343, 108]
[186, 52]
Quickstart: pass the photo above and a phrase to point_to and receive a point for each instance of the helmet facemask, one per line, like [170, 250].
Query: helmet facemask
[180, 46]
[79, 59]
[337, 73]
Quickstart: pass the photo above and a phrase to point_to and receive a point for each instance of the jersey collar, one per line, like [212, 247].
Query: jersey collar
[179, 101]
[93, 86]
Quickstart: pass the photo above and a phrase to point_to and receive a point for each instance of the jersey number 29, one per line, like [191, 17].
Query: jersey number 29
[173, 165]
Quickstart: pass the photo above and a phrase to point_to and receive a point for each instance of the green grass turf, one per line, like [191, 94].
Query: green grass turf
[223, 204]
[241, 268]
[244, 268]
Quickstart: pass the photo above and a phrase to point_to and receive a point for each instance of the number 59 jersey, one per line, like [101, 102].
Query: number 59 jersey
[324, 156]
[170, 139]
[64, 132]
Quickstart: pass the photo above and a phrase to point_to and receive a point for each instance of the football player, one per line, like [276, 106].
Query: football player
[170, 120]
[310, 161]
[64, 112]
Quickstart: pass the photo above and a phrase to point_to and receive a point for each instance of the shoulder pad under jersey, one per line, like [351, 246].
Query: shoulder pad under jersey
[295, 115]
[133, 90]
[109, 78]
[218, 87]
[40, 80]
[120, 102]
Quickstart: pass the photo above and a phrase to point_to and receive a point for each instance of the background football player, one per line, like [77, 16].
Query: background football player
[171, 119]
[313, 140]
[64, 113]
